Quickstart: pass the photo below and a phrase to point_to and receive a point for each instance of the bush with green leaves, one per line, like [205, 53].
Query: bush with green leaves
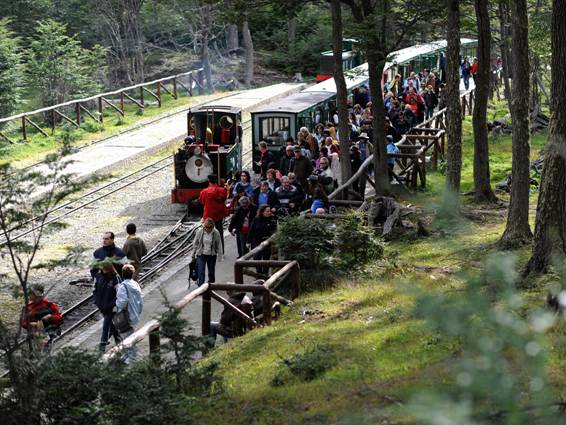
[500, 375]
[309, 241]
[355, 242]
[306, 365]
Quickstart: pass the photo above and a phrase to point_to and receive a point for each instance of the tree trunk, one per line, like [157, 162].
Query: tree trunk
[376, 62]
[205, 52]
[454, 111]
[249, 47]
[292, 30]
[232, 42]
[341, 92]
[550, 228]
[518, 231]
[482, 183]
[505, 49]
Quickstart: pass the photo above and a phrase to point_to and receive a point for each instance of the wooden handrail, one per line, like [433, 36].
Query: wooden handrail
[95, 97]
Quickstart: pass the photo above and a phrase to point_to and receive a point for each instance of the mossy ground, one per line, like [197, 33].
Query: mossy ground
[377, 352]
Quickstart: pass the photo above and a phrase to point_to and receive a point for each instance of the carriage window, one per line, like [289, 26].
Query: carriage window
[274, 130]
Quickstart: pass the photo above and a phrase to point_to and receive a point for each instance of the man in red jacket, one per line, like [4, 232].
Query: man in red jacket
[213, 198]
[42, 315]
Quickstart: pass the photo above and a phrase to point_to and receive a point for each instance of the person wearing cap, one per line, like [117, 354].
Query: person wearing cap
[240, 223]
[391, 149]
[265, 158]
[41, 316]
[213, 199]
[301, 166]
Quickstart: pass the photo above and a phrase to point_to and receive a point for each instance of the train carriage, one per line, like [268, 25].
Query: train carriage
[214, 146]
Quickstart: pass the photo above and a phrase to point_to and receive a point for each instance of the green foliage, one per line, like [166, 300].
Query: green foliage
[306, 240]
[355, 242]
[306, 365]
[11, 70]
[59, 68]
[501, 372]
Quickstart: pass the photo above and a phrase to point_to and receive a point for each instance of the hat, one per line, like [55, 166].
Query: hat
[297, 149]
[363, 136]
[37, 290]
[244, 200]
[389, 137]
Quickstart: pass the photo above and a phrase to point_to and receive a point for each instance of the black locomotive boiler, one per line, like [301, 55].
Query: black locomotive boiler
[213, 146]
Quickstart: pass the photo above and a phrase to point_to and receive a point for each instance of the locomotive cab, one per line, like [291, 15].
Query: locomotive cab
[213, 146]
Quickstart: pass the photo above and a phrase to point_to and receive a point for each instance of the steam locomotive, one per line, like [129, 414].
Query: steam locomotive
[213, 146]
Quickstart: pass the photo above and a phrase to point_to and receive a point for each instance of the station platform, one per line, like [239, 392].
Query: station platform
[174, 284]
[108, 156]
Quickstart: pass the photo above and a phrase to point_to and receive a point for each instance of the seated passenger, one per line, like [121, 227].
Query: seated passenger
[298, 186]
[325, 174]
[319, 201]
[230, 324]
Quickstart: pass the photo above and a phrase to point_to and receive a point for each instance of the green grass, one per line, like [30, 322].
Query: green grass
[377, 352]
[37, 145]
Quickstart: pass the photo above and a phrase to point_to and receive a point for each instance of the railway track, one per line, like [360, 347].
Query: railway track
[74, 205]
[178, 242]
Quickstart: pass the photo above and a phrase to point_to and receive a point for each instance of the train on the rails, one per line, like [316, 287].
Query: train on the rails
[351, 57]
[214, 142]
[213, 146]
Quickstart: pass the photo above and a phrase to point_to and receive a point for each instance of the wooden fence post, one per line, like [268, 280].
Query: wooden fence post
[159, 93]
[141, 97]
[154, 342]
[78, 112]
[122, 102]
[100, 110]
[24, 131]
[205, 325]
[295, 282]
[53, 121]
[238, 273]
[435, 155]
[267, 307]
[175, 88]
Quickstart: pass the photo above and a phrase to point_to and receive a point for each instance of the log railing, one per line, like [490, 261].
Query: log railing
[413, 146]
[74, 111]
[288, 271]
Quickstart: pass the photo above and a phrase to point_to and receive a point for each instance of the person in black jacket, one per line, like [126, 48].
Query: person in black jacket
[263, 226]
[104, 295]
[263, 195]
[240, 224]
[285, 163]
[431, 101]
[230, 324]
[265, 158]
[107, 250]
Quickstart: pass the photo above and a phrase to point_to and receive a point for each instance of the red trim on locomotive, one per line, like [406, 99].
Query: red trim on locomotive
[321, 77]
[184, 196]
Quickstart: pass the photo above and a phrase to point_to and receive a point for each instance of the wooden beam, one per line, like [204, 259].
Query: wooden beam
[65, 117]
[140, 105]
[235, 309]
[88, 113]
[153, 94]
[37, 127]
[121, 112]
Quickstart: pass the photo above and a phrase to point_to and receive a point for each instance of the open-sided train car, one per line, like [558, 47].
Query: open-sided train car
[277, 121]
[213, 146]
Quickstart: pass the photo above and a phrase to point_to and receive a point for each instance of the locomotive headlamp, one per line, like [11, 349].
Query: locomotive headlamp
[197, 150]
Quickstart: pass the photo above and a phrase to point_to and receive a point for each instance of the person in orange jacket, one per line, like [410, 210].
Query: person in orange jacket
[213, 199]
[42, 315]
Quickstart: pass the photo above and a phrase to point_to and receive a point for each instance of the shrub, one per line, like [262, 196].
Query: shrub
[306, 240]
[355, 242]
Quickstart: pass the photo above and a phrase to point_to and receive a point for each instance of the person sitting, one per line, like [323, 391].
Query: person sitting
[300, 190]
[230, 324]
[287, 195]
[42, 316]
[245, 182]
[319, 200]
[272, 179]
[263, 195]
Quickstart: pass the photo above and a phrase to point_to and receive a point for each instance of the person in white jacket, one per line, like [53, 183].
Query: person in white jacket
[129, 297]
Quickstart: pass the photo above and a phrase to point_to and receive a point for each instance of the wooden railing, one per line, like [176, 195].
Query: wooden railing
[430, 134]
[74, 111]
[288, 270]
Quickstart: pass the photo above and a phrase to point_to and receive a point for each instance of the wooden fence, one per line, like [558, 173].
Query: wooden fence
[287, 271]
[75, 111]
[430, 135]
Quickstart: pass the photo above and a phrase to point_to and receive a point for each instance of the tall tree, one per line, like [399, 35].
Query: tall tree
[454, 111]
[504, 24]
[341, 91]
[11, 70]
[518, 231]
[206, 12]
[550, 226]
[249, 48]
[482, 183]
